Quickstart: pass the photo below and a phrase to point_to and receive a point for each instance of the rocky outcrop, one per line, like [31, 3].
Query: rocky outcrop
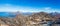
[36, 19]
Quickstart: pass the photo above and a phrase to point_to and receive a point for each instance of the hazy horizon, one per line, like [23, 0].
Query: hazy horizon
[29, 5]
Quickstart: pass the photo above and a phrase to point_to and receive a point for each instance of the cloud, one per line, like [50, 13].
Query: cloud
[50, 9]
[15, 8]
[7, 8]
[47, 8]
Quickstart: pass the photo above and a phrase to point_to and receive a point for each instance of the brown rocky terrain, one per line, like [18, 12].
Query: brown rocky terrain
[35, 19]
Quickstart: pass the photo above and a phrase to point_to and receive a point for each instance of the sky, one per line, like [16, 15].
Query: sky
[30, 5]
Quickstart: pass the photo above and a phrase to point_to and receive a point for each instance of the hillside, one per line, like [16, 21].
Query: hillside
[31, 20]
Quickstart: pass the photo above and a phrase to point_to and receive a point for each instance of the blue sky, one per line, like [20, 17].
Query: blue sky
[29, 5]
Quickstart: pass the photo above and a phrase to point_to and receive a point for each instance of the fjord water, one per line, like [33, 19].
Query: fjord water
[6, 14]
[11, 14]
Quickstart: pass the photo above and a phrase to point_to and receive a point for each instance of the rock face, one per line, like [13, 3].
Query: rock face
[39, 18]
[36, 19]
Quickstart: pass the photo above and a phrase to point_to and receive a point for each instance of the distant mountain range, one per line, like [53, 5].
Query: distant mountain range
[13, 14]
[54, 13]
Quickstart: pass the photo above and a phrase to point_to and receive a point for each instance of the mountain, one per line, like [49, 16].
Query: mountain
[54, 13]
[41, 17]
[31, 20]
[13, 14]
[56, 16]
[27, 13]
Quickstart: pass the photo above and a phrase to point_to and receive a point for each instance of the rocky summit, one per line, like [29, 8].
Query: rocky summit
[35, 19]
